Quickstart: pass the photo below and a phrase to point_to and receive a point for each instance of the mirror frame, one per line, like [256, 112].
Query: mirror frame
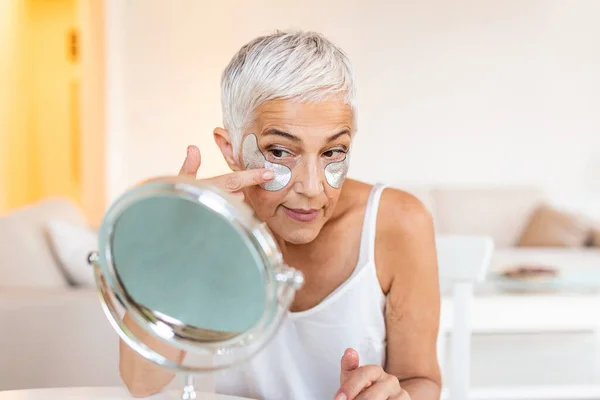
[281, 281]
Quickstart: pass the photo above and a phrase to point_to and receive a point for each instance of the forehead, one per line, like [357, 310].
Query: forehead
[325, 116]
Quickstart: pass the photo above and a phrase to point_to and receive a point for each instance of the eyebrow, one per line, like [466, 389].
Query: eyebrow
[277, 132]
[296, 139]
[338, 135]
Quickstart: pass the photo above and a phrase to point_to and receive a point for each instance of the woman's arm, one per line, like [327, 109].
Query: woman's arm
[407, 254]
[142, 377]
[407, 270]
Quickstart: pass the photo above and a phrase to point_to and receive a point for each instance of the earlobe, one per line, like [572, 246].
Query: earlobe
[222, 139]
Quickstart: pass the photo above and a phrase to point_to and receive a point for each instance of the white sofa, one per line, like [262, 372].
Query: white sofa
[55, 338]
[52, 334]
[56, 335]
[502, 213]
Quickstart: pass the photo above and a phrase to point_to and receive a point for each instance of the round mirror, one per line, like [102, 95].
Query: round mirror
[192, 266]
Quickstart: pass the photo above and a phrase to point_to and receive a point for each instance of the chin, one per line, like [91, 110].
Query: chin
[301, 237]
[296, 235]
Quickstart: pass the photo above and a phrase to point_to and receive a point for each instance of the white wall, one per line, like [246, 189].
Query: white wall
[453, 93]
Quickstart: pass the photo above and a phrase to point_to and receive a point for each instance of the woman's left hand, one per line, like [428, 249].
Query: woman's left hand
[367, 382]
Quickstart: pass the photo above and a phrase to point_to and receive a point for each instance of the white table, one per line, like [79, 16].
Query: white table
[552, 317]
[579, 392]
[98, 393]
[538, 313]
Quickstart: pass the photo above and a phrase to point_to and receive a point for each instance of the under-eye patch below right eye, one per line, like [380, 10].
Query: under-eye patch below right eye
[255, 159]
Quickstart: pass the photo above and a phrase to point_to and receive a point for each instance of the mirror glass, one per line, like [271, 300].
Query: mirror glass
[181, 261]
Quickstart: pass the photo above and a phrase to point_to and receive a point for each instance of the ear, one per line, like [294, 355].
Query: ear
[223, 140]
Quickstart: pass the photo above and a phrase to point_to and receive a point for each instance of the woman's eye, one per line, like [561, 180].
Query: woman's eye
[278, 153]
[334, 154]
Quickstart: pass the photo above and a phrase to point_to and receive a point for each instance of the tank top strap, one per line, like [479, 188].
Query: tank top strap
[367, 239]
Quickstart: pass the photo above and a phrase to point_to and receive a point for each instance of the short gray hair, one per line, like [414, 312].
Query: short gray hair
[298, 65]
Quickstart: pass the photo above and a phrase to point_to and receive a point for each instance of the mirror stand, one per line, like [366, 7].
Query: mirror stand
[189, 391]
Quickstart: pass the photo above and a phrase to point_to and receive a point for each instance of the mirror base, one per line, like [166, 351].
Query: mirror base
[189, 392]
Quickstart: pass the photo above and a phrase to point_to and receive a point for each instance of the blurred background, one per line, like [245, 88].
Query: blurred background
[486, 110]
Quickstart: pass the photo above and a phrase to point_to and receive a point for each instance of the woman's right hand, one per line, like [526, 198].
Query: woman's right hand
[233, 182]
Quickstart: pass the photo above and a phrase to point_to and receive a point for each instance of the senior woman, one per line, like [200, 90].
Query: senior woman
[364, 325]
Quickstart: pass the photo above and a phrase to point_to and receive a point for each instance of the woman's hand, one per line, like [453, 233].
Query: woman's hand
[233, 182]
[367, 382]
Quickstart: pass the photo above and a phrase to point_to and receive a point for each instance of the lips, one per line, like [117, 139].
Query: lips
[301, 215]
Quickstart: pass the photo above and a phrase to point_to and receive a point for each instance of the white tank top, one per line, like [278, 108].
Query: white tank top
[302, 361]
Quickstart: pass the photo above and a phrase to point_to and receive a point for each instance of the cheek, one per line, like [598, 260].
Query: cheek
[263, 201]
[332, 196]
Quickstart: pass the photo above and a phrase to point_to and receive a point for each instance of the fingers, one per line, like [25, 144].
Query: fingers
[191, 164]
[238, 180]
[233, 182]
[386, 388]
[239, 195]
[348, 364]
[359, 379]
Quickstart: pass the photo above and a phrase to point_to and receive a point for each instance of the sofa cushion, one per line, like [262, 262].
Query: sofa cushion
[499, 212]
[72, 245]
[553, 228]
[26, 259]
[596, 237]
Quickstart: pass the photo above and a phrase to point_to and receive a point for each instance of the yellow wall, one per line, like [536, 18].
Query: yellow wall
[92, 144]
[15, 159]
[55, 86]
[39, 135]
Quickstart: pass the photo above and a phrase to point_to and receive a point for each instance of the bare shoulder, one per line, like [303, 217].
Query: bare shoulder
[405, 237]
[398, 209]
[404, 240]
[401, 212]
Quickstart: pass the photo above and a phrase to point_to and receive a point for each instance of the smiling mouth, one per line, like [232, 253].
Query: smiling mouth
[300, 214]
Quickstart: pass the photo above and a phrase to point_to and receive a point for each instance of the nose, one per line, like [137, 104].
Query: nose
[309, 179]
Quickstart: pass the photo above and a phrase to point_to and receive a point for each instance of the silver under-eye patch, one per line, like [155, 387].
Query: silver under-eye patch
[335, 173]
[255, 159]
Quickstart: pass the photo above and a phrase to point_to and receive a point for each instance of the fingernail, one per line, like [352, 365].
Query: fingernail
[268, 175]
[189, 150]
[340, 396]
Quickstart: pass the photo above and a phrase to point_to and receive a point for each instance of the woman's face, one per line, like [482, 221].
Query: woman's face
[304, 137]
